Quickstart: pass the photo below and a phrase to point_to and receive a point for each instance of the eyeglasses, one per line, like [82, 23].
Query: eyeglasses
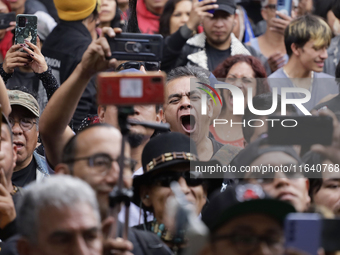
[24, 123]
[271, 7]
[102, 162]
[192, 178]
[249, 242]
[149, 66]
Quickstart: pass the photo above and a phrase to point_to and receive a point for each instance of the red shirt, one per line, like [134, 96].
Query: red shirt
[6, 43]
[148, 22]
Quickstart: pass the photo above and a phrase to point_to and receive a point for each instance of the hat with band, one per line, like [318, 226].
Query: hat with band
[17, 97]
[166, 152]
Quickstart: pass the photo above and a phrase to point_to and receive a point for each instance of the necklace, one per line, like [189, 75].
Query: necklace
[312, 79]
[165, 235]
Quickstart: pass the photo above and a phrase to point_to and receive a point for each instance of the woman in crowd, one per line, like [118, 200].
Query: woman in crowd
[324, 188]
[180, 21]
[109, 15]
[176, 13]
[167, 158]
[242, 71]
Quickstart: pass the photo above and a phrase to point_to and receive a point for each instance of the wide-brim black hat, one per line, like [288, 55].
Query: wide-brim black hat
[167, 152]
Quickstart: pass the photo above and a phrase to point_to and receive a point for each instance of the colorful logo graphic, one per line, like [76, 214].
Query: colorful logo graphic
[213, 90]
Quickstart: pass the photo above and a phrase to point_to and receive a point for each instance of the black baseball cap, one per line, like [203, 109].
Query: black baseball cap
[258, 148]
[228, 6]
[243, 199]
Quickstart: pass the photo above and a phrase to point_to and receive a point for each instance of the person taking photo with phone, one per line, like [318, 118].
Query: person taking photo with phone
[271, 43]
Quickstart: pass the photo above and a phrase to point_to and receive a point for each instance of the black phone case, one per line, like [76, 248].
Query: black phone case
[138, 47]
[5, 19]
[29, 32]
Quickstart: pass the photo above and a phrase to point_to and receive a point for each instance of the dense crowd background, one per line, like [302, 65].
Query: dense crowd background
[66, 160]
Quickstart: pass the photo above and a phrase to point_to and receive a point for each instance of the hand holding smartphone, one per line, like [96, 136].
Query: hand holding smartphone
[26, 29]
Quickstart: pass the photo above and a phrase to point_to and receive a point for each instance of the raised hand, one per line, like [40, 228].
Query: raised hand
[15, 58]
[280, 24]
[96, 57]
[199, 11]
[38, 63]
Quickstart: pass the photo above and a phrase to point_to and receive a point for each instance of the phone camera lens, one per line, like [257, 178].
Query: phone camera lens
[137, 47]
[22, 22]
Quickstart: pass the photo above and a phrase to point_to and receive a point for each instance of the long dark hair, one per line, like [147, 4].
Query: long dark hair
[132, 26]
[115, 22]
[164, 19]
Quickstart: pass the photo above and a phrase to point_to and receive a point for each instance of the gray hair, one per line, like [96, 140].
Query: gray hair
[186, 71]
[57, 191]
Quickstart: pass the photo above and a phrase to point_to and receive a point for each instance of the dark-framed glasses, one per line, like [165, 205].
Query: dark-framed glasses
[271, 7]
[25, 124]
[102, 162]
[165, 179]
[149, 66]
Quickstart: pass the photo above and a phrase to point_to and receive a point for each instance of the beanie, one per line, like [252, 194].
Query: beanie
[73, 10]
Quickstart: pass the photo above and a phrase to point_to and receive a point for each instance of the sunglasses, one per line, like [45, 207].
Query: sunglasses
[271, 7]
[149, 66]
[165, 179]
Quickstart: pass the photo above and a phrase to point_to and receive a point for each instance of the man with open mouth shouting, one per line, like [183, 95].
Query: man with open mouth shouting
[182, 108]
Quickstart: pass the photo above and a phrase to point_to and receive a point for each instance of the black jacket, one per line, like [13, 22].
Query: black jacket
[63, 50]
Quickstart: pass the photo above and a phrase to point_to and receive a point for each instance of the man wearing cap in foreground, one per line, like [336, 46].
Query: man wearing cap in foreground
[246, 221]
[24, 121]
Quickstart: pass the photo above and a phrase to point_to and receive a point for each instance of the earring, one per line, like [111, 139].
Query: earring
[146, 197]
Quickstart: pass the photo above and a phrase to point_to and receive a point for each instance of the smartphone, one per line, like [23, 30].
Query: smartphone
[300, 130]
[26, 29]
[303, 232]
[138, 47]
[124, 89]
[5, 19]
[285, 7]
[210, 11]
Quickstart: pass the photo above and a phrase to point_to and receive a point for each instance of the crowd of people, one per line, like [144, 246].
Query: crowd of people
[75, 179]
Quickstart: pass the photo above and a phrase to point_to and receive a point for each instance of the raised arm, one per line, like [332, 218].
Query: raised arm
[4, 101]
[59, 110]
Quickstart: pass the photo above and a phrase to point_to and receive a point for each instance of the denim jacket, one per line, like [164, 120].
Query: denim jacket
[42, 170]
